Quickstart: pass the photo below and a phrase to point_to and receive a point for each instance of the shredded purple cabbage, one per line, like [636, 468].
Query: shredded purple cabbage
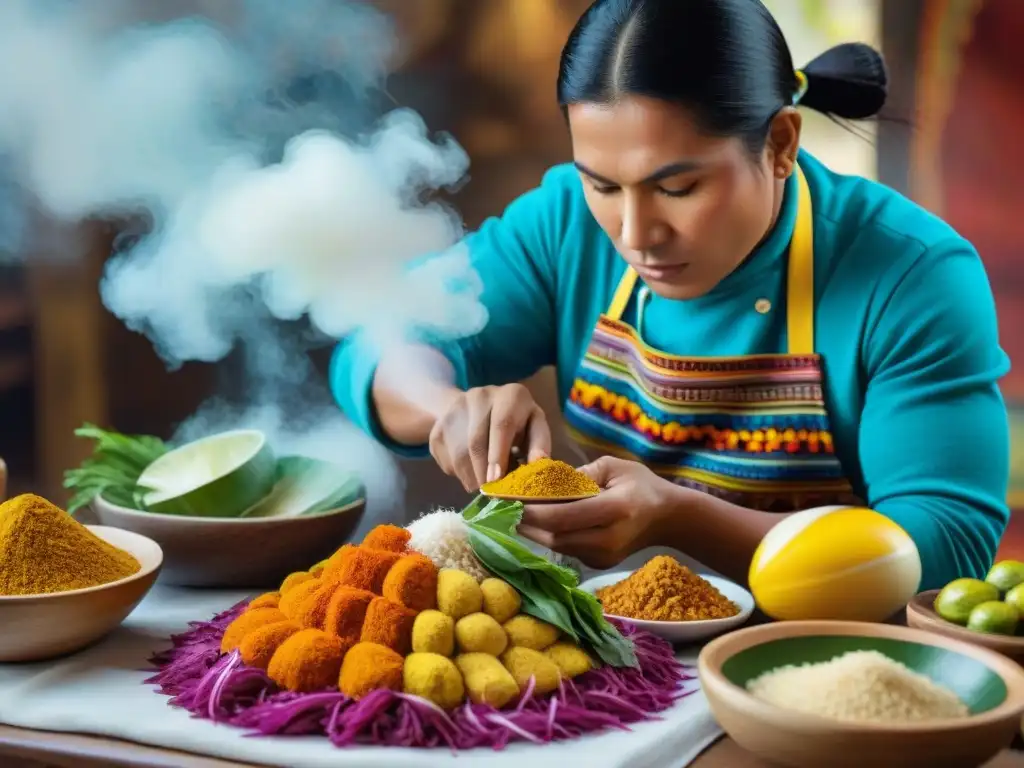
[219, 687]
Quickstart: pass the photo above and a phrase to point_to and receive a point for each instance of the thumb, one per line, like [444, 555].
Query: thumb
[603, 471]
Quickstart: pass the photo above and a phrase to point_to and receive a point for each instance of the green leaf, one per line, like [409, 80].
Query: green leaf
[475, 506]
[114, 467]
[531, 560]
[497, 514]
[491, 553]
[539, 606]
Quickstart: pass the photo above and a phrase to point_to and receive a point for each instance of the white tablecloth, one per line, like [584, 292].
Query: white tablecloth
[100, 692]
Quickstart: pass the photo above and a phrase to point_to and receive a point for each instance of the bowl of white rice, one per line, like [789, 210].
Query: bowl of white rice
[811, 694]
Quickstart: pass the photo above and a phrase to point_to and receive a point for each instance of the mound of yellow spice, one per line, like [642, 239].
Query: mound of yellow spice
[44, 550]
[543, 478]
[378, 615]
[664, 590]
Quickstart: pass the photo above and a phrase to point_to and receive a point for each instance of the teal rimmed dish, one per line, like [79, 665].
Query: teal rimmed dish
[990, 685]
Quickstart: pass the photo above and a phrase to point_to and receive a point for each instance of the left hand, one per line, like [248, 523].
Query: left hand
[604, 530]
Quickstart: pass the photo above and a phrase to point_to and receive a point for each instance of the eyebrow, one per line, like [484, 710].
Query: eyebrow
[665, 172]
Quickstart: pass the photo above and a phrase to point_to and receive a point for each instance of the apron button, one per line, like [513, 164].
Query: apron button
[763, 306]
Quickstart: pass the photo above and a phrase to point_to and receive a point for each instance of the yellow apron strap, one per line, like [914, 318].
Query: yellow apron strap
[622, 295]
[800, 280]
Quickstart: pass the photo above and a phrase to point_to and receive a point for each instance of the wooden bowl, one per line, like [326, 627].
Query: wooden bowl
[39, 627]
[236, 552]
[989, 683]
[921, 615]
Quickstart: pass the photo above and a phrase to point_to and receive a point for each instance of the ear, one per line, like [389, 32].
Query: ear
[784, 141]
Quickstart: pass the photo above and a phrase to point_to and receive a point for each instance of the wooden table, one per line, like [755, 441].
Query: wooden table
[37, 749]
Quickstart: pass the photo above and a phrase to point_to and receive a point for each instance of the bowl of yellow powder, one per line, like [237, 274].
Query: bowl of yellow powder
[830, 693]
[64, 585]
[667, 599]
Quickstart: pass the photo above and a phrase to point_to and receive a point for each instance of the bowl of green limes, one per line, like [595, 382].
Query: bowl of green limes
[988, 612]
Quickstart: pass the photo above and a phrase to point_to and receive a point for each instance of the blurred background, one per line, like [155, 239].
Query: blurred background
[484, 70]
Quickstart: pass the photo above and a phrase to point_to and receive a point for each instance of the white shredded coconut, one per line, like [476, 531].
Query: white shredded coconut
[859, 686]
[444, 538]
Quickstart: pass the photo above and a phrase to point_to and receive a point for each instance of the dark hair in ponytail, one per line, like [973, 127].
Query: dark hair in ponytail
[726, 60]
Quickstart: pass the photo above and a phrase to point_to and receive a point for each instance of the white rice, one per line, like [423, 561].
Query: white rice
[862, 686]
[444, 537]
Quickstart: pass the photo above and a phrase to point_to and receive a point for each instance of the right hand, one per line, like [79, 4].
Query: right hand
[473, 438]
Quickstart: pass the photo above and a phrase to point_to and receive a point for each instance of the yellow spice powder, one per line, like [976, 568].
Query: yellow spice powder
[543, 478]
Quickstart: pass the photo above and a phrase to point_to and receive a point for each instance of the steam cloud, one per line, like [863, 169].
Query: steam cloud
[262, 206]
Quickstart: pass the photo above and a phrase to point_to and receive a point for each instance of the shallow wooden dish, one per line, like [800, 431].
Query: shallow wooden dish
[218, 552]
[537, 499]
[921, 615]
[40, 627]
[989, 683]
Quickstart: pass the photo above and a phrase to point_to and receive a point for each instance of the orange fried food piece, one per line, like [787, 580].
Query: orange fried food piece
[311, 611]
[390, 538]
[412, 582]
[346, 612]
[369, 667]
[309, 660]
[259, 646]
[293, 580]
[362, 568]
[293, 598]
[333, 564]
[246, 623]
[389, 624]
[266, 600]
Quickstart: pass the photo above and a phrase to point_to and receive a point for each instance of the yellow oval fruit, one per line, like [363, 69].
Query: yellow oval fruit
[840, 563]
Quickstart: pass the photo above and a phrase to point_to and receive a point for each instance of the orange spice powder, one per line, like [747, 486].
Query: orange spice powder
[664, 590]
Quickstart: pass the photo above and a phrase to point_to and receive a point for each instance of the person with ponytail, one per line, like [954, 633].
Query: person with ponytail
[738, 332]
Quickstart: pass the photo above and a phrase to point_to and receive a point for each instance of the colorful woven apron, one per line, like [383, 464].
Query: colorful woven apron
[753, 430]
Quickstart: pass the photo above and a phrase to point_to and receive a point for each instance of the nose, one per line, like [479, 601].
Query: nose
[642, 229]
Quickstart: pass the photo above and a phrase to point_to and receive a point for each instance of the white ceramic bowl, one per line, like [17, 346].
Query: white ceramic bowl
[243, 553]
[39, 627]
[684, 631]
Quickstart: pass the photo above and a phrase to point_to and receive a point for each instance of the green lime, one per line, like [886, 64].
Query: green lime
[958, 598]
[994, 617]
[1015, 597]
[1006, 575]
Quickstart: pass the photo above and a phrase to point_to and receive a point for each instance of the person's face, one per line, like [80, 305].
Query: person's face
[682, 207]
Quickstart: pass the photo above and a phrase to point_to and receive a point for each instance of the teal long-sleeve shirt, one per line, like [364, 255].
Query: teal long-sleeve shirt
[904, 318]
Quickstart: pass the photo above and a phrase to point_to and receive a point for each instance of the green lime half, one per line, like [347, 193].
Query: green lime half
[218, 476]
[1006, 575]
[994, 617]
[958, 598]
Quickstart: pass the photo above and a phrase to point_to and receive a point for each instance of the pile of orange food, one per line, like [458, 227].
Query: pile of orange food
[665, 590]
[379, 615]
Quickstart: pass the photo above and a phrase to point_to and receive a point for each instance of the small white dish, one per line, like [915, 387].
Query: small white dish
[684, 631]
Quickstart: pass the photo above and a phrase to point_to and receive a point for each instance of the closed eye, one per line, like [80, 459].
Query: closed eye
[688, 190]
